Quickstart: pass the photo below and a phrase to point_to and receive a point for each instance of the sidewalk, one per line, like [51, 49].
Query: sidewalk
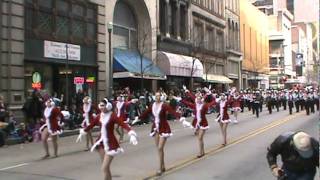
[14, 140]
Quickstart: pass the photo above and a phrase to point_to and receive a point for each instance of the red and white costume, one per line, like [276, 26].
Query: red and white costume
[160, 124]
[52, 116]
[88, 111]
[236, 102]
[121, 109]
[107, 139]
[199, 111]
[223, 115]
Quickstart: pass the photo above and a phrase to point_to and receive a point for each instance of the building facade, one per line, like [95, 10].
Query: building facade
[232, 30]
[57, 47]
[254, 39]
[280, 48]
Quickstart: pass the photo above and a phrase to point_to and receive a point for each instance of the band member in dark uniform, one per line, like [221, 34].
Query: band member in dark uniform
[290, 101]
[296, 99]
[269, 102]
[283, 98]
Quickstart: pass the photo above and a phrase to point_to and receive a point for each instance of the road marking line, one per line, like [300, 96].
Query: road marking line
[11, 167]
[216, 150]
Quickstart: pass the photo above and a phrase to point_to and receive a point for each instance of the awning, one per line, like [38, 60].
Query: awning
[128, 64]
[179, 65]
[213, 78]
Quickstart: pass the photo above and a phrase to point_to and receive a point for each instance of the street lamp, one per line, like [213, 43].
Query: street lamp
[110, 28]
[67, 79]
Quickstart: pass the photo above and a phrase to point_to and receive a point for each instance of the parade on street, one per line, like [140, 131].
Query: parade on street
[159, 89]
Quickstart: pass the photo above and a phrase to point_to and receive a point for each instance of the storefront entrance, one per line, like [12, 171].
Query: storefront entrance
[55, 78]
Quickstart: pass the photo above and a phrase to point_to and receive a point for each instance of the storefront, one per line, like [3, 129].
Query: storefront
[61, 48]
[179, 69]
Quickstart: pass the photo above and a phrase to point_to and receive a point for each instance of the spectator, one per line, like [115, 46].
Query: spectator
[299, 153]
[32, 109]
[3, 110]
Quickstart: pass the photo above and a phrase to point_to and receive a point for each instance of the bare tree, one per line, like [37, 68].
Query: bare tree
[144, 48]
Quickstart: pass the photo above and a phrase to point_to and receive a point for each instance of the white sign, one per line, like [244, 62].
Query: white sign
[74, 52]
[57, 50]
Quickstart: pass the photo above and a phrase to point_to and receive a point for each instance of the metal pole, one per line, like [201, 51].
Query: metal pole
[110, 67]
[67, 79]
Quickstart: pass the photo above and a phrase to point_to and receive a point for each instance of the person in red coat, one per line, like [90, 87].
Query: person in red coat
[51, 127]
[200, 123]
[236, 105]
[160, 128]
[89, 113]
[223, 117]
[121, 106]
[107, 144]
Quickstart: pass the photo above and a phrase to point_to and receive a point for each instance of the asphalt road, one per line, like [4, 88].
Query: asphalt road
[243, 158]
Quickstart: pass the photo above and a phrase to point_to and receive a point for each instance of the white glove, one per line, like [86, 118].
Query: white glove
[136, 119]
[133, 140]
[206, 89]
[127, 121]
[209, 86]
[94, 115]
[133, 137]
[186, 124]
[81, 133]
[182, 119]
[185, 88]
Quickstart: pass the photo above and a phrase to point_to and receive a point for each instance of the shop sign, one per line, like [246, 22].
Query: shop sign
[36, 86]
[78, 80]
[36, 80]
[58, 50]
[90, 80]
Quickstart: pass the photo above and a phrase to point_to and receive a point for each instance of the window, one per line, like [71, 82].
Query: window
[162, 16]
[70, 20]
[219, 42]
[45, 22]
[198, 34]
[45, 3]
[183, 26]
[62, 28]
[62, 6]
[91, 31]
[125, 31]
[78, 29]
[219, 69]
[77, 10]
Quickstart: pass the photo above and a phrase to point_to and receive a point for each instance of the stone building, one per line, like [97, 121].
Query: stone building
[35, 39]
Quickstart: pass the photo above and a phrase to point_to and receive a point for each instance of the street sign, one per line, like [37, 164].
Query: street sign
[78, 80]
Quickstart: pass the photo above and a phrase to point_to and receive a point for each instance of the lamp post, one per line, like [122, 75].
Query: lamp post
[67, 79]
[110, 28]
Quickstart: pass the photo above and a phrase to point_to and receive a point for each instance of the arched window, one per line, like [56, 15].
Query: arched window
[125, 27]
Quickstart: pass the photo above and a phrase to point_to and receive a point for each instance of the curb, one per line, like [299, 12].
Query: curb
[14, 140]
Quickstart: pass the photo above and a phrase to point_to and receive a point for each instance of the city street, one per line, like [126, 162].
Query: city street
[244, 158]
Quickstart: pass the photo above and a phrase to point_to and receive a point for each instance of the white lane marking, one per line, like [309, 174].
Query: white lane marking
[11, 167]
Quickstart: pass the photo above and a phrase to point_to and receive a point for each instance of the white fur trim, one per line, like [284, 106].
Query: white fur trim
[42, 127]
[226, 121]
[115, 152]
[206, 127]
[166, 135]
[236, 109]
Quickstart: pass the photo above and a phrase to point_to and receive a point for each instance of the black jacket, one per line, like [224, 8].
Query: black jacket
[292, 161]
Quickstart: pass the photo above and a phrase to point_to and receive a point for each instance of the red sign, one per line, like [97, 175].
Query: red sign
[36, 86]
[78, 80]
